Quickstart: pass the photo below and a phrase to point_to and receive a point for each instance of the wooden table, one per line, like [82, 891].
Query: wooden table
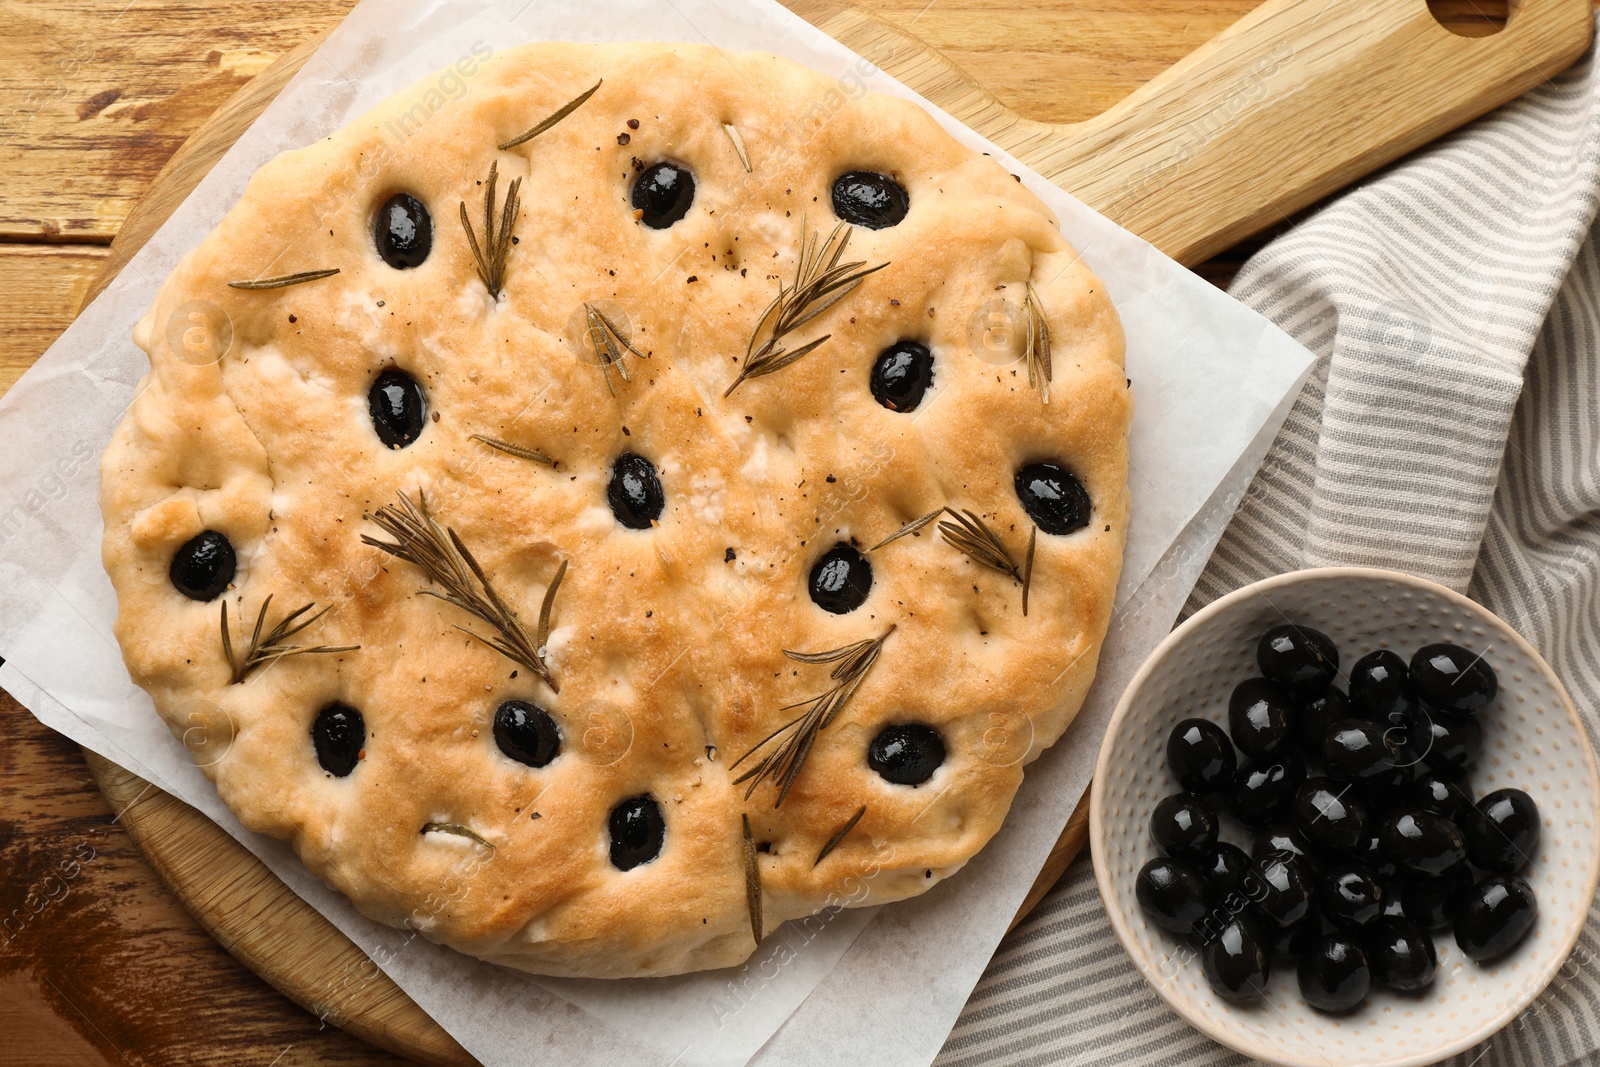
[98, 962]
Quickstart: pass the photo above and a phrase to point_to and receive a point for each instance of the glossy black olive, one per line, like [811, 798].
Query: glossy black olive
[1422, 842]
[1380, 685]
[1298, 658]
[634, 492]
[1280, 887]
[1445, 797]
[1494, 917]
[1053, 497]
[1172, 894]
[637, 832]
[203, 566]
[1354, 749]
[1503, 831]
[1335, 976]
[1452, 678]
[865, 198]
[1440, 740]
[1431, 902]
[1294, 941]
[1372, 856]
[1258, 718]
[1224, 869]
[403, 231]
[1201, 756]
[1350, 896]
[901, 376]
[1286, 837]
[338, 734]
[1314, 713]
[1402, 955]
[663, 193]
[1236, 962]
[906, 753]
[526, 733]
[1262, 790]
[840, 579]
[398, 407]
[1184, 827]
[1330, 815]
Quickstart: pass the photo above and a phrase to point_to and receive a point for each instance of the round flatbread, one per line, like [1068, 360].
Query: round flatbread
[590, 447]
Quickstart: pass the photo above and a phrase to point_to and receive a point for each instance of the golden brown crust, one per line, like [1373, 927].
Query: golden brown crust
[667, 643]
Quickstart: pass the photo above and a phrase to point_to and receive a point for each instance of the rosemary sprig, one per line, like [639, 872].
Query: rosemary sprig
[794, 738]
[1037, 352]
[515, 450]
[608, 342]
[491, 255]
[820, 281]
[283, 280]
[267, 650]
[973, 537]
[419, 539]
[752, 879]
[566, 109]
[457, 829]
[840, 834]
[738, 145]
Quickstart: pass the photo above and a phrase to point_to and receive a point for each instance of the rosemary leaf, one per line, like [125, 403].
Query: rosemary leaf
[738, 145]
[457, 829]
[909, 528]
[972, 535]
[263, 652]
[491, 255]
[560, 113]
[1027, 570]
[549, 601]
[515, 450]
[285, 279]
[447, 562]
[1036, 354]
[816, 288]
[840, 834]
[752, 879]
[795, 738]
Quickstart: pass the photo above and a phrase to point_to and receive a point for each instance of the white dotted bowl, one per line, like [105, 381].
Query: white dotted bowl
[1532, 739]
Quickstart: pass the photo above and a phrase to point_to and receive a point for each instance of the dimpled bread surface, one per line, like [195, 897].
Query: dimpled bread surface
[668, 643]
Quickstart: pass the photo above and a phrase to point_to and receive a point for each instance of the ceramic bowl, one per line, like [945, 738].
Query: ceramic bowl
[1533, 740]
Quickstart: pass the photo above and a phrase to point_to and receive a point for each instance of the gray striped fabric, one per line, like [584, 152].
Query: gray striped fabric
[1452, 430]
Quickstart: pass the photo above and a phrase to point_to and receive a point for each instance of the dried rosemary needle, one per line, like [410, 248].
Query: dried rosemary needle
[794, 739]
[752, 879]
[977, 541]
[560, 113]
[820, 281]
[515, 450]
[1036, 353]
[271, 648]
[840, 834]
[283, 280]
[609, 343]
[419, 539]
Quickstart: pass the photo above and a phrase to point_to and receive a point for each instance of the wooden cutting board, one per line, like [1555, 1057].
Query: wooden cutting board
[1298, 99]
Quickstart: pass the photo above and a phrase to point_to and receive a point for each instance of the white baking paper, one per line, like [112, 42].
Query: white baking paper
[1212, 382]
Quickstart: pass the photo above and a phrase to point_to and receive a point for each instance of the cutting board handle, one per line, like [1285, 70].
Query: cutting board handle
[1297, 99]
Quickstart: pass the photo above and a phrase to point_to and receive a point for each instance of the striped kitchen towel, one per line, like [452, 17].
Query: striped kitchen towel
[1452, 429]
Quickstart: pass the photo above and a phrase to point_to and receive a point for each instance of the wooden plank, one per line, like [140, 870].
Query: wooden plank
[44, 285]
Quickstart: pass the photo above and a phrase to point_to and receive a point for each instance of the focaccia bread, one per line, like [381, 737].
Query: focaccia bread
[635, 358]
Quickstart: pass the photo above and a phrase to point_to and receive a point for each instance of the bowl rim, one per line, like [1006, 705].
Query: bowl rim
[1212, 1026]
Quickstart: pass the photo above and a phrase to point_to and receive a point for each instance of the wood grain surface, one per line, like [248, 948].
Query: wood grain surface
[98, 964]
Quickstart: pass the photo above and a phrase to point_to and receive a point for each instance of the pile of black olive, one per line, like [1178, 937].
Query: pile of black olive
[1355, 864]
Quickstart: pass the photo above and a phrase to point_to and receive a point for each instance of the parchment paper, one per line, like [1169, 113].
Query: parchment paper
[1212, 382]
